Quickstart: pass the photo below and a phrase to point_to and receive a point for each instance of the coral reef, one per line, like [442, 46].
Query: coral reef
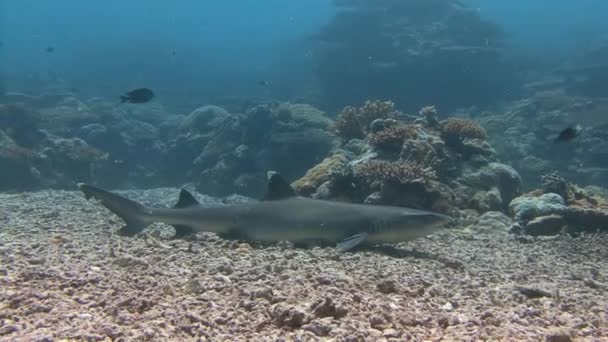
[319, 174]
[523, 134]
[455, 130]
[59, 140]
[402, 172]
[353, 123]
[412, 161]
[557, 207]
[239, 148]
[392, 137]
[429, 115]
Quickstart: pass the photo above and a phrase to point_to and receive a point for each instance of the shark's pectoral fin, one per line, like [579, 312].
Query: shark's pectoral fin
[351, 242]
[182, 231]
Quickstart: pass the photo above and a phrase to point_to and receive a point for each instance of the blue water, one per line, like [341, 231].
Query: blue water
[202, 47]
[208, 49]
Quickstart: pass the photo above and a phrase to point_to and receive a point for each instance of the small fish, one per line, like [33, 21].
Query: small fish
[49, 49]
[264, 83]
[569, 133]
[140, 95]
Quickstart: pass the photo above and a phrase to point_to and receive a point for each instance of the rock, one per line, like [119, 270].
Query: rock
[498, 175]
[135, 132]
[304, 114]
[194, 286]
[356, 146]
[526, 208]
[14, 159]
[129, 260]
[579, 219]
[479, 147]
[327, 308]
[558, 337]
[288, 316]
[491, 222]
[554, 183]
[204, 119]
[319, 174]
[8, 329]
[533, 292]
[391, 333]
[545, 225]
[387, 286]
[488, 200]
[318, 329]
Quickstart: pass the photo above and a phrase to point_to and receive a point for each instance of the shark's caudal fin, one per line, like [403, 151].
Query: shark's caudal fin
[278, 188]
[133, 213]
[186, 199]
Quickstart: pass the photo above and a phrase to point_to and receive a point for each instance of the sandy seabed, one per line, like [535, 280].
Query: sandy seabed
[64, 276]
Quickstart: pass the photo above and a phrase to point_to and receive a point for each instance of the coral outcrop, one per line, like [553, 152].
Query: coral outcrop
[401, 172]
[392, 137]
[58, 140]
[320, 174]
[523, 134]
[559, 207]
[417, 161]
[353, 123]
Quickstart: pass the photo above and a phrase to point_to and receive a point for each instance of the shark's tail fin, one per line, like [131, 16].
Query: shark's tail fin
[134, 214]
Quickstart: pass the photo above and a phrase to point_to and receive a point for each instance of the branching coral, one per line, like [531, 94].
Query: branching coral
[353, 123]
[429, 113]
[393, 137]
[455, 129]
[404, 172]
[347, 125]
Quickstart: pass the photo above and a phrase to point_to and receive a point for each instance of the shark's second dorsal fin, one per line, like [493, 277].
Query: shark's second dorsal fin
[186, 199]
[278, 188]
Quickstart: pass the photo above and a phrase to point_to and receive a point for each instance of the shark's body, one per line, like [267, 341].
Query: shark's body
[281, 216]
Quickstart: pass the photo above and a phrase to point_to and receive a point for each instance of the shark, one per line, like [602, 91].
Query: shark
[281, 215]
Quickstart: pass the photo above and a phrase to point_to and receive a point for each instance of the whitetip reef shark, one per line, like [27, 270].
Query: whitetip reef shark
[280, 216]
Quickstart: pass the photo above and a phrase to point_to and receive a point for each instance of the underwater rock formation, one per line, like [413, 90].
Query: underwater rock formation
[500, 182]
[319, 174]
[353, 123]
[413, 161]
[146, 146]
[523, 134]
[414, 52]
[547, 212]
[235, 150]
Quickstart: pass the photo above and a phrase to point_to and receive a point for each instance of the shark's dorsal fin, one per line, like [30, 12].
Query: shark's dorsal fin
[186, 199]
[278, 188]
